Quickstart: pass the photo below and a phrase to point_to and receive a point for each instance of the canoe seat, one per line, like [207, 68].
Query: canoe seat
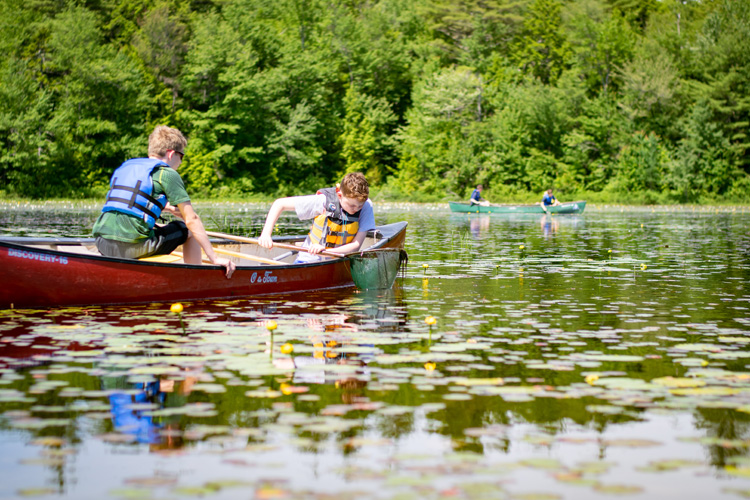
[164, 259]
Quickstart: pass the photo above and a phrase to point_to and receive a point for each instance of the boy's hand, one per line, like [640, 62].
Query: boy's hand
[265, 241]
[316, 249]
[226, 263]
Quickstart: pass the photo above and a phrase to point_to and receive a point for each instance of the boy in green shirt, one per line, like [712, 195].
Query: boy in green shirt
[140, 190]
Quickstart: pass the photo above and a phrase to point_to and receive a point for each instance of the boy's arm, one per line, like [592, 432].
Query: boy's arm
[280, 205]
[198, 232]
[352, 246]
[170, 209]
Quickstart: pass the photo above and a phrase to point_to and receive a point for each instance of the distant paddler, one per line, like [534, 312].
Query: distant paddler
[549, 200]
[476, 197]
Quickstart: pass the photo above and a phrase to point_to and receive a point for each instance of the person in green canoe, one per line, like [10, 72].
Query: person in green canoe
[140, 190]
[549, 200]
[476, 197]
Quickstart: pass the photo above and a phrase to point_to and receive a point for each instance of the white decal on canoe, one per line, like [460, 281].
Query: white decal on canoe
[41, 257]
[267, 277]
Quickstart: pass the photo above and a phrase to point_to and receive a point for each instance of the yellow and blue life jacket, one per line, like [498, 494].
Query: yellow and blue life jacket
[335, 227]
[131, 190]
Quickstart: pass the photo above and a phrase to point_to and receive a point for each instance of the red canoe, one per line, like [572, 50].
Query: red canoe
[44, 272]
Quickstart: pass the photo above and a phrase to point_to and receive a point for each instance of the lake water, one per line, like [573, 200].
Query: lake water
[602, 355]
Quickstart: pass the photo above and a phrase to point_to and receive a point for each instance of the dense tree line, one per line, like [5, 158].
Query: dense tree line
[641, 99]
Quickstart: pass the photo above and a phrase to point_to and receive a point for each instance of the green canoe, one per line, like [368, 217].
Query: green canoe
[572, 207]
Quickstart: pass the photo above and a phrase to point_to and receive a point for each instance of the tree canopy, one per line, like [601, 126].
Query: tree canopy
[640, 99]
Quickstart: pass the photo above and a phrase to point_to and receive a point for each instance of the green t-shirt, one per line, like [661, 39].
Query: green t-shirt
[130, 229]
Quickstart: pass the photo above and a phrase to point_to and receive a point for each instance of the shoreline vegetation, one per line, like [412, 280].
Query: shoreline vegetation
[612, 101]
[264, 202]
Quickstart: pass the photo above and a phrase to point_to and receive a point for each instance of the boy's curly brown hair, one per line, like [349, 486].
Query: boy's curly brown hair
[355, 186]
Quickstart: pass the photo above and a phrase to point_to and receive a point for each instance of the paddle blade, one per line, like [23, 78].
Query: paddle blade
[377, 269]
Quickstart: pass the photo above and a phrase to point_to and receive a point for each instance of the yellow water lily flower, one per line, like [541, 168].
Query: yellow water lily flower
[429, 366]
[286, 389]
[176, 308]
[430, 320]
[287, 348]
[271, 326]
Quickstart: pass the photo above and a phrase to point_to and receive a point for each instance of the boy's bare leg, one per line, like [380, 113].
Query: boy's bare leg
[191, 251]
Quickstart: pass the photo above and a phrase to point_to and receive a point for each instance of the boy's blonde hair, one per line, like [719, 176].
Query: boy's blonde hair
[164, 138]
[355, 186]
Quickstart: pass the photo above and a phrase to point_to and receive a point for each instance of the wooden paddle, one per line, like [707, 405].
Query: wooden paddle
[178, 255]
[247, 256]
[285, 246]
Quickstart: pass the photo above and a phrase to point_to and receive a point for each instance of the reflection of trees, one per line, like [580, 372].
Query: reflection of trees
[724, 424]
[395, 426]
[68, 435]
[551, 415]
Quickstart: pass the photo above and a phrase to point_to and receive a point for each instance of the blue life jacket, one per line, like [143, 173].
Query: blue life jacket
[131, 190]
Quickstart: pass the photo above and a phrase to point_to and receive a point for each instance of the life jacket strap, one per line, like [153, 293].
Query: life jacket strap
[132, 201]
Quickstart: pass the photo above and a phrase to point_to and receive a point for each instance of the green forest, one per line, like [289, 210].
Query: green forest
[641, 101]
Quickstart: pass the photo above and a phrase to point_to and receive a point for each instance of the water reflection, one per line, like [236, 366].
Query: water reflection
[133, 404]
[479, 226]
[610, 347]
[550, 225]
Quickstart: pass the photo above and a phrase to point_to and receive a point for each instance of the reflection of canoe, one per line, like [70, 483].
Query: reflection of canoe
[40, 272]
[572, 207]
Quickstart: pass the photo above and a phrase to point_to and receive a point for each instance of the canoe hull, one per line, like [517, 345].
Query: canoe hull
[573, 207]
[38, 277]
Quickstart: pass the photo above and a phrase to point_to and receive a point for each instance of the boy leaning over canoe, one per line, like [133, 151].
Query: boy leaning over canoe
[342, 216]
[140, 190]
